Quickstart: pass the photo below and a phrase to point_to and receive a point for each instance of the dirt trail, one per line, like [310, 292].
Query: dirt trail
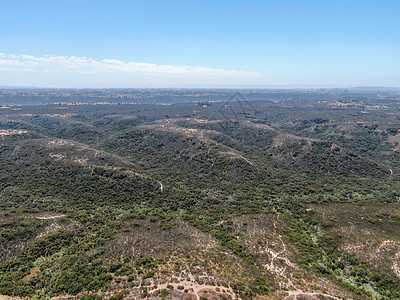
[293, 295]
[128, 172]
[279, 255]
[50, 217]
[2, 297]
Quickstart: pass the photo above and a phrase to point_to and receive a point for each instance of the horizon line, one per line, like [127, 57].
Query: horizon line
[291, 87]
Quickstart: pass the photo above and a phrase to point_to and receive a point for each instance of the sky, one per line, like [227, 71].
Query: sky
[200, 43]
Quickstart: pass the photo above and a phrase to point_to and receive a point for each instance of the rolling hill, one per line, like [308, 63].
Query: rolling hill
[148, 201]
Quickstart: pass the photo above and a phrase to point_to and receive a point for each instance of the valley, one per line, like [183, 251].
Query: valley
[288, 200]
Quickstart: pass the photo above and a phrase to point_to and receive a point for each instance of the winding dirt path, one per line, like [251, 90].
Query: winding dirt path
[280, 255]
[293, 295]
[50, 217]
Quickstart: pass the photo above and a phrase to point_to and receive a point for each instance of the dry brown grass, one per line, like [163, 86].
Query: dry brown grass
[34, 272]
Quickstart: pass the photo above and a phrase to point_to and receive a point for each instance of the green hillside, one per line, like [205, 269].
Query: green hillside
[181, 201]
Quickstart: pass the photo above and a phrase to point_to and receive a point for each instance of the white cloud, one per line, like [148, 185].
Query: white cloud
[84, 65]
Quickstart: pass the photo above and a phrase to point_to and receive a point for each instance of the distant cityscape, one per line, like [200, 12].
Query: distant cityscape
[345, 97]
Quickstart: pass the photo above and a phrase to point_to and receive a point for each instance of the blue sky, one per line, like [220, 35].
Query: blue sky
[199, 43]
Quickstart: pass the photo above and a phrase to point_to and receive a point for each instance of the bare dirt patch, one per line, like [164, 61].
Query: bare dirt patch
[4, 133]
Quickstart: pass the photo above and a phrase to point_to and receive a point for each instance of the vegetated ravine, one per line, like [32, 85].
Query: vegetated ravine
[289, 200]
